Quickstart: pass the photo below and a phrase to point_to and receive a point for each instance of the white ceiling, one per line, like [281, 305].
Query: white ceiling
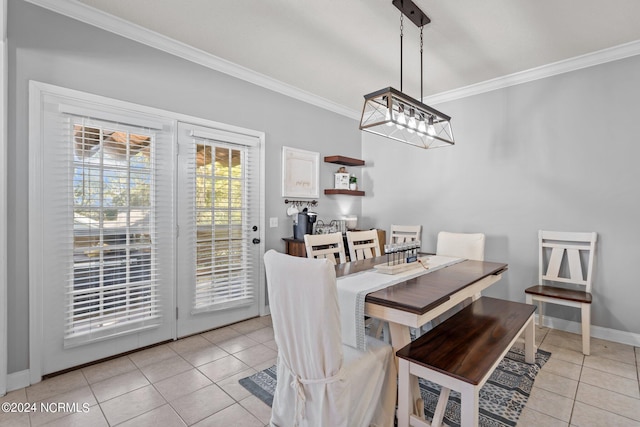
[342, 49]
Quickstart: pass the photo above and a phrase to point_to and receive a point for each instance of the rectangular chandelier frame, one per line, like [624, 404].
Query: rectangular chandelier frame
[393, 114]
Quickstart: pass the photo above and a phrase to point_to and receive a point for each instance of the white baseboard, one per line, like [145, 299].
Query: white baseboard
[18, 380]
[614, 335]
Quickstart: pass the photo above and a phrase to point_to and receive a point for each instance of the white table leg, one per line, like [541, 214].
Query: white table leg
[530, 341]
[400, 337]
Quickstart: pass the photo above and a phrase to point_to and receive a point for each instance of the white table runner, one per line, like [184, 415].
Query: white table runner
[353, 289]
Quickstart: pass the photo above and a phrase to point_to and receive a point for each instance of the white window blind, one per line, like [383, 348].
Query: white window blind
[107, 223]
[224, 188]
[114, 281]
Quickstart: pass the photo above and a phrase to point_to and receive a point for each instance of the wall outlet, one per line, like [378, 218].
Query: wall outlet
[273, 222]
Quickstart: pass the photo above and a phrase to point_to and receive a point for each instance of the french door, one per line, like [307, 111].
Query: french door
[101, 232]
[142, 229]
[219, 221]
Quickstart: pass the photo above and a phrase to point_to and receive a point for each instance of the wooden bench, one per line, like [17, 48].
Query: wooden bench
[461, 353]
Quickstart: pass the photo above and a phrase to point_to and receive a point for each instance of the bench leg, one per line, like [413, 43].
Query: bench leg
[405, 408]
[469, 399]
[438, 414]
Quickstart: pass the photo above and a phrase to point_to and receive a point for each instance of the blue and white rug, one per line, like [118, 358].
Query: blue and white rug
[502, 398]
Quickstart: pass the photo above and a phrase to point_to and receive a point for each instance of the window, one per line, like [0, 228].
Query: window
[222, 263]
[113, 263]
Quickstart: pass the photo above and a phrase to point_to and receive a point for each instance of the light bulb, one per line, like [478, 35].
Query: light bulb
[422, 128]
[431, 130]
[387, 117]
[411, 125]
[402, 119]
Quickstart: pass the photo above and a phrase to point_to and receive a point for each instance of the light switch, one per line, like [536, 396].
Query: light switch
[273, 222]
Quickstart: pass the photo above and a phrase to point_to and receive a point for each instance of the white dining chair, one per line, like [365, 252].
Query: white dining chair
[322, 382]
[329, 246]
[363, 244]
[565, 275]
[461, 245]
[404, 233]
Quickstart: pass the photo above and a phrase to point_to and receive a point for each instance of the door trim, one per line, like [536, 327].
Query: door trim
[3, 198]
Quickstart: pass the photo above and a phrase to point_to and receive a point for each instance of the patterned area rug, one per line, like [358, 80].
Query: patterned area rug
[501, 399]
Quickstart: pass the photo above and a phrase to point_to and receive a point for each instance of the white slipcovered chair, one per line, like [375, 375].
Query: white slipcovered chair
[565, 275]
[363, 244]
[404, 233]
[329, 246]
[461, 245]
[322, 382]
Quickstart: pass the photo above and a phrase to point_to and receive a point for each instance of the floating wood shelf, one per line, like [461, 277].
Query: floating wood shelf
[347, 192]
[342, 160]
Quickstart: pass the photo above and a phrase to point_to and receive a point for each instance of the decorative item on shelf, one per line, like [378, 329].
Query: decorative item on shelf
[353, 182]
[390, 113]
[341, 179]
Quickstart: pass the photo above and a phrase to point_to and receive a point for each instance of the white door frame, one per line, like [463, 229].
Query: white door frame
[3, 198]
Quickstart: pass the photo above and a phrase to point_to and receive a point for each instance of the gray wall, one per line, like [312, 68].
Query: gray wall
[559, 153]
[50, 48]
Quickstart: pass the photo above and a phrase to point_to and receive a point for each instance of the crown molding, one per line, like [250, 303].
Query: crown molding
[97, 18]
[572, 64]
[89, 15]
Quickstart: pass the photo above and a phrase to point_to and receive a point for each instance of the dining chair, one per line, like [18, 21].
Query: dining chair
[461, 245]
[404, 233]
[329, 246]
[565, 275]
[320, 381]
[363, 244]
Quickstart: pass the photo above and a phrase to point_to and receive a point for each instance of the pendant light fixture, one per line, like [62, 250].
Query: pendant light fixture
[391, 113]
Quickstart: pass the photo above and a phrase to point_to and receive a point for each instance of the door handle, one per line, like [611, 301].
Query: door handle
[255, 240]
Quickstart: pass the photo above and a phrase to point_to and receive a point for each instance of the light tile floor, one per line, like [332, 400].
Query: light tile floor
[194, 381]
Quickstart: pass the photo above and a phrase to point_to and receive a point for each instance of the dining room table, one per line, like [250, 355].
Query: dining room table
[418, 296]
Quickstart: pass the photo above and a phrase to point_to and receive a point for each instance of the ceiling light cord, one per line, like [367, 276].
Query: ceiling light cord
[401, 34]
[421, 44]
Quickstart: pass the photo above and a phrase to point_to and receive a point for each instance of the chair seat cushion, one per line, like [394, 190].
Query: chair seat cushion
[560, 293]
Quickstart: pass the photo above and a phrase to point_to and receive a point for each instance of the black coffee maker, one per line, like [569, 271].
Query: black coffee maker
[305, 224]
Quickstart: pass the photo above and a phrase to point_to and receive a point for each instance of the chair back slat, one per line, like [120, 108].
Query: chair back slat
[404, 233]
[562, 251]
[363, 244]
[328, 246]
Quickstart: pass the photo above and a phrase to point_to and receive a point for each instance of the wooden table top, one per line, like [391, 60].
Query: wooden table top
[425, 292]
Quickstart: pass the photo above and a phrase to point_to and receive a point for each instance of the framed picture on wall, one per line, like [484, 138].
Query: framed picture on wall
[300, 173]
